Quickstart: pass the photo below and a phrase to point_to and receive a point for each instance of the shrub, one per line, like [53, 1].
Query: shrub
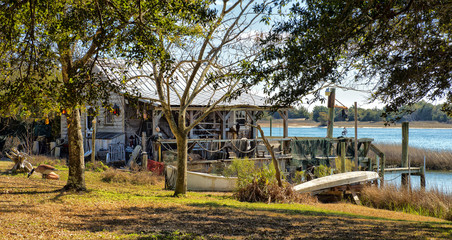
[429, 203]
[135, 178]
[349, 165]
[97, 166]
[322, 171]
[256, 184]
[246, 170]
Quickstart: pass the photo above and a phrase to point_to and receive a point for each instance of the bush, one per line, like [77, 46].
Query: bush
[349, 165]
[322, 171]
[256, 184]
[135, 178]
[429, 203]
[97, 166]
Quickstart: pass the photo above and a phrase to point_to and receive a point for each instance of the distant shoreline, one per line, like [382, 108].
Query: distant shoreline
[309, 123]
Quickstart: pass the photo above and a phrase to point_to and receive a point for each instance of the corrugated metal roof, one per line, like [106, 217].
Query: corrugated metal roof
[142, 82]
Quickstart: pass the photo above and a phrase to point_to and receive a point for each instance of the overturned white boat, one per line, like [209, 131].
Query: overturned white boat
[201, 181]
[335, 180]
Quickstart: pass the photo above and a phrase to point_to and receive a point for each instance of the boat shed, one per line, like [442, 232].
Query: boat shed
[121, 131]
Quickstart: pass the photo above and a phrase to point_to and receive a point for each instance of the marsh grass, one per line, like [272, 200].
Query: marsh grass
[435, 160]
[427, 203]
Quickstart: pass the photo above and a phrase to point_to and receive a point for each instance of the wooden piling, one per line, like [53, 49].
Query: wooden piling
[423, 175]
[144, 156]
[93, 141]
[331, 101]
[382, 170]
[405, 135]
[356, 137]
[343, 152]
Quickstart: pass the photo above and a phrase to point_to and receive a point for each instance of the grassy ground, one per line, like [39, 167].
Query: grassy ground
[35, 209]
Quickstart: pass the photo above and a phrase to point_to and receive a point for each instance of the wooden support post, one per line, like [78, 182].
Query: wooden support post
[52, 148]
[144, 159]
[252, 116]
[284, 115]
[331, 101]
[159, 153]
[356, 136]
[93, 142]
[370, 165]
[405, 135]
[271, 126]
[355, 196]
[423, 175]
[409, 174]
[190, 121]
[156, 115]
[382, 170]
[343, 152]
[377, 163]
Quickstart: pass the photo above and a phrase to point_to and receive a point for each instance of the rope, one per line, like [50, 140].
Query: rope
[341, 103]
[251, 150]
[214, 151]
[392, 179]
[169, 148]
[211, 151]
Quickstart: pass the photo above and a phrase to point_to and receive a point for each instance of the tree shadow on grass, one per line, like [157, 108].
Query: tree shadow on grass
[216, 221]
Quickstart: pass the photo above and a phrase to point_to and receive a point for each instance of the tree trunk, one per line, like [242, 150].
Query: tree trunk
[76, 164]
[181, 181]
[272, 153]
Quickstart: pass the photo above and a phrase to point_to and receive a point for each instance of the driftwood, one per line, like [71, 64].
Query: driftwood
[20, 161]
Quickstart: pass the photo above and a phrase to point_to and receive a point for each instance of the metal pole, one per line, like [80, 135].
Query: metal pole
[356, 136]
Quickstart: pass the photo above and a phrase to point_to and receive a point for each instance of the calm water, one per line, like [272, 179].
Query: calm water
[433, 139]
[434, 180]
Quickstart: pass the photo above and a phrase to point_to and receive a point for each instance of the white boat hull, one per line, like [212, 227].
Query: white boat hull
[336, 180]
[202, 181]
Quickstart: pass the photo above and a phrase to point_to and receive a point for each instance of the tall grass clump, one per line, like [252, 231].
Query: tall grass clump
[258, 184]
[435, 160]
[36, 160]
[96, 166]
[428, 203]
[135, 178]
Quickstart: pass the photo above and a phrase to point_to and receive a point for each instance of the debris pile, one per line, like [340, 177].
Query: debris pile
[20, 161]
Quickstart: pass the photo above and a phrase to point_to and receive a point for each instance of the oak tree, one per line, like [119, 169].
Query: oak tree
[47, 53]
[209, 56]
[400, 51]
